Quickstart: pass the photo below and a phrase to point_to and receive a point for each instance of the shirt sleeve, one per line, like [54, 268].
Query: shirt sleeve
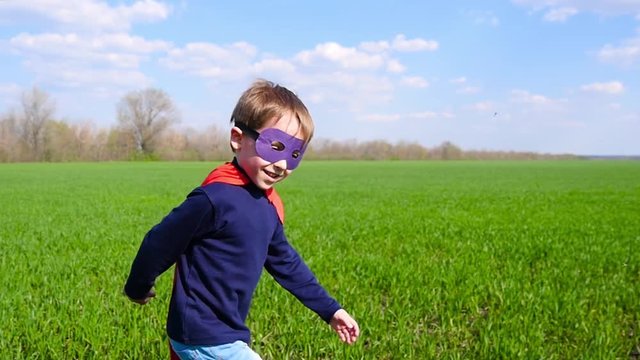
[166, 241]
[289, 270]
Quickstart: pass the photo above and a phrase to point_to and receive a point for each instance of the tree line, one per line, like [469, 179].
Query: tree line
[145, 131]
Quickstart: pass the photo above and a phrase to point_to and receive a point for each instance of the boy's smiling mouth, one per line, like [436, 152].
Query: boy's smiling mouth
[272, 174]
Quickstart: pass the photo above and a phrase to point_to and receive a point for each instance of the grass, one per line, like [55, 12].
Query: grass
[452, 260]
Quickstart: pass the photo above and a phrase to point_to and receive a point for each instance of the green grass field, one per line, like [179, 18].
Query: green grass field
[449, 260]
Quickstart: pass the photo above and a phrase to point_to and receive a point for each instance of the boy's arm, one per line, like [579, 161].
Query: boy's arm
[289, 270]
[164, 243]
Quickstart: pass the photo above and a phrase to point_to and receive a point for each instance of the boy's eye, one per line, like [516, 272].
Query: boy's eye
[295, 154]
[277, 146]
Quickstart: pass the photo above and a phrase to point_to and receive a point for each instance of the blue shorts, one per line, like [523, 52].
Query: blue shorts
[238, 350]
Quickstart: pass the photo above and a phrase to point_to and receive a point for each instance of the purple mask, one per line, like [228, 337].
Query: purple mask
[273, 145]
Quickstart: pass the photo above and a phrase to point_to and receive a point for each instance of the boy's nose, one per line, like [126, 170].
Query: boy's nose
[281, 164]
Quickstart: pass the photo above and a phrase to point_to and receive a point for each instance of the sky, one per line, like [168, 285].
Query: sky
[548, 76]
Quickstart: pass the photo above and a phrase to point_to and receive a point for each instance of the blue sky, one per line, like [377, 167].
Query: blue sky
[552, 76]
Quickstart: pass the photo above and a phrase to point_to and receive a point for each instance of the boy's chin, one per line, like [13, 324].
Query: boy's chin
[265, 185]
[266, 182]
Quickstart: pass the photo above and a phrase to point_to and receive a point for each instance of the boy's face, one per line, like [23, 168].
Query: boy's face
[262, 172]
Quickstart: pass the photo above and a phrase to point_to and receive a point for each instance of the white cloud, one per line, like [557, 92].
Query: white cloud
[101, 78]
[89, 45]
[394, 66]
[345, 57]
[401, 43]
[464, 89]
[355, 78]
[483, 106]
[375, 46]
[110, 61]
[330, 73]
[606, 7]
[560, 14]
[468, 90]
[145, 10]
[369, 56]
[612, 87]
[424, 115]
[119, 50]
[91, 79]
[338, 76]
[628, 52]
[214, 61]
[415, 81]
[91, 60]
[380, 118]
[89, 14]
[277, 66]
[523, 96]
[484, 18]
[347, 90]
[625, 54]
[77, 76]
[447, 115]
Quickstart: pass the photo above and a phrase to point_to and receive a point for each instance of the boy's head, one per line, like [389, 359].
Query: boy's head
[271, 130]
[264, 101]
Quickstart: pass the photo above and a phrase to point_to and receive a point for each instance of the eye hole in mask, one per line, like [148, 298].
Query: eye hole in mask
[273, 145]
[277, 146]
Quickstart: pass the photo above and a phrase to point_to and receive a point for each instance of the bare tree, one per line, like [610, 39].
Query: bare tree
[210, 144]
[146, 114]
[71, 141]
[9, 141]
[447, 151]
[37, 111]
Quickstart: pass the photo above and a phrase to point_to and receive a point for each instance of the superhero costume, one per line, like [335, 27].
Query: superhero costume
[220, 238]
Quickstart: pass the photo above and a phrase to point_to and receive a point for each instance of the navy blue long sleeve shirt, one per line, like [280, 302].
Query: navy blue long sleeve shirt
[220, 238]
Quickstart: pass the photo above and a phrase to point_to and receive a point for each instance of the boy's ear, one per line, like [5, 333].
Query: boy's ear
[235, 139]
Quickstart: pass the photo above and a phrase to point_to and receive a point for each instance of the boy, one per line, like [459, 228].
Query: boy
[231, 227]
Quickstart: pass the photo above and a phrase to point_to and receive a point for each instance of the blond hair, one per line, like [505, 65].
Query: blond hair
[265, 100]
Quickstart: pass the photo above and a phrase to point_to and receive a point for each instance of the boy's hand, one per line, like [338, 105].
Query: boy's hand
[346, 327]
[150, 295]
